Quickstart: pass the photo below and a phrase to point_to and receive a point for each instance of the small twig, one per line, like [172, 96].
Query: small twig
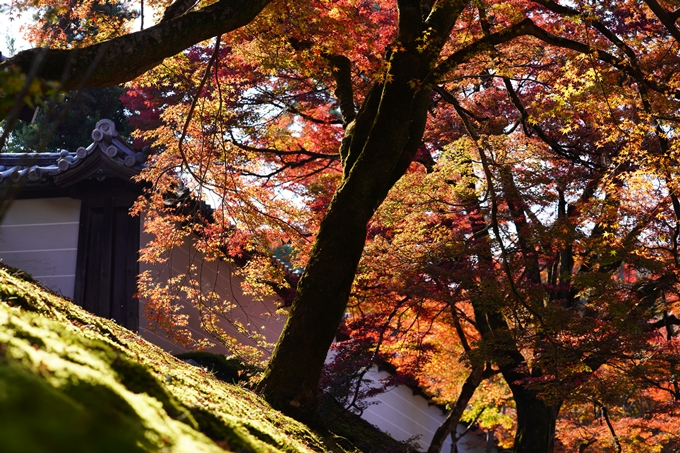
[206, 75]
[469, 425]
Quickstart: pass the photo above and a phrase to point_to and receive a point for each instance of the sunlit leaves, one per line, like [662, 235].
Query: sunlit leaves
[542, 200]
[76, 23]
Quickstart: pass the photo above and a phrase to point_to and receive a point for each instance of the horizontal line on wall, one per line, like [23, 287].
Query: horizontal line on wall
[146, 334]
[54, 276]
[42, 251]
[38, 224]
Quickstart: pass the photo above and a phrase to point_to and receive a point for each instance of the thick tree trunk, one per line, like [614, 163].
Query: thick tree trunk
[376, 152]
[291, 379]
[535, 422]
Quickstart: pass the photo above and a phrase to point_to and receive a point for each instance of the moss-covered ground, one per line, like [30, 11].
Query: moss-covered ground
[74, 382]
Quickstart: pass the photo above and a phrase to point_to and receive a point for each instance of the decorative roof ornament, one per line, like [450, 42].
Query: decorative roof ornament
[108, 156]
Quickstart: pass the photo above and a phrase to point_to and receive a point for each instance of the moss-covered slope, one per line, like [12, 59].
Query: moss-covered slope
[73, 382]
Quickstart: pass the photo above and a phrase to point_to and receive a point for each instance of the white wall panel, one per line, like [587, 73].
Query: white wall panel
[403, 414]
[41, 237]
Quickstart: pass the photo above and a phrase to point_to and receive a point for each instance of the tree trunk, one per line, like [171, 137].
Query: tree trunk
[535, 422]
[449, 425]
[290, 382]
[291, 379]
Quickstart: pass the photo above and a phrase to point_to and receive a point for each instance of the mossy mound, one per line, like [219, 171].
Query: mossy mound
[73, 382]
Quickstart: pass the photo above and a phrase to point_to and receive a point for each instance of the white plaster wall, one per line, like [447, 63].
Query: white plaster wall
[40, 236]
[215, 276]
[403, 414]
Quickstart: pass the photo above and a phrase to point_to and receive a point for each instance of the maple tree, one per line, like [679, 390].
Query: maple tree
[553, 124]
[424, 251]
[559, 297]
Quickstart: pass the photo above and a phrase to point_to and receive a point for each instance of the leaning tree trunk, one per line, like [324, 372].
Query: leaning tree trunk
[377, 149]
[291, 379]
[453, 419]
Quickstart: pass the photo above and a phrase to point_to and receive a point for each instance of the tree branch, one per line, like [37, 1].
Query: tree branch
[568, 11]
[670, 320]
[553, 144]
[629, 68]
[448, 97]
[451, 422]
[605, 414]
[342, 72]
[524, 27]
[177, 8]
[528, 28]
[665, 17]
[129, 56]
[298, 152]
[199, 90]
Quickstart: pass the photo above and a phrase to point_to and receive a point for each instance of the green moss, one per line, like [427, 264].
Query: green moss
[226, 434]
[36, 417]
[73, 382]
[17, 298]
[138, 379]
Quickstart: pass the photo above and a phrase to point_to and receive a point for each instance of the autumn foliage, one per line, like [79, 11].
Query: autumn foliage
[533, 240]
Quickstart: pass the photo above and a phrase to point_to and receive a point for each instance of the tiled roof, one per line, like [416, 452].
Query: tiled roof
[107, 156]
